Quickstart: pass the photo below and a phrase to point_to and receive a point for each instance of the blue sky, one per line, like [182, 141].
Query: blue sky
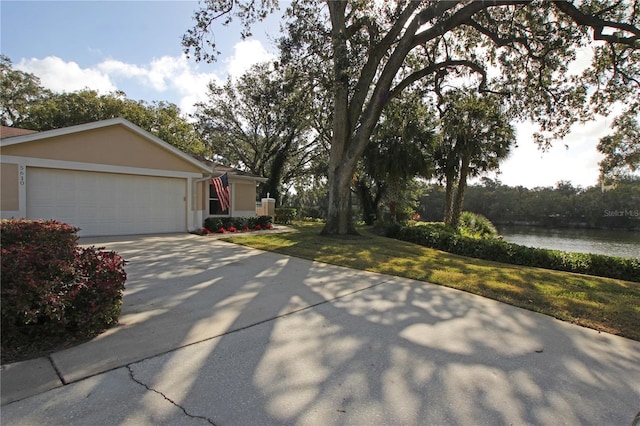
[135, 46]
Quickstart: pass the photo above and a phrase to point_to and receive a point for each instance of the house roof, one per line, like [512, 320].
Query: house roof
[219, 169]
[31, 136]
[9, 132]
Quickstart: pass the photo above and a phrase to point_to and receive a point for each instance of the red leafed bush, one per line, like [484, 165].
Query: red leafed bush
[52, 290]
[96, 296]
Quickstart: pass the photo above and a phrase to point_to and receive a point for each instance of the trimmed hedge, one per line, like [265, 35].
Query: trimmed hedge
[284, 215]
[441, 237]
[52, 289]
[214, 224]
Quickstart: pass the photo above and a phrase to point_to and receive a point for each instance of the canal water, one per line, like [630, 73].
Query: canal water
[611, 243]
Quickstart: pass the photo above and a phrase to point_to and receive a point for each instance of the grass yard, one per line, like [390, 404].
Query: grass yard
[603, 304]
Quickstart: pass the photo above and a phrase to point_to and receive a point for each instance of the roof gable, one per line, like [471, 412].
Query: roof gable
[114, 141]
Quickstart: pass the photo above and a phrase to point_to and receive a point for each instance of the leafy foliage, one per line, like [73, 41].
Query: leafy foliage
[564, 205]
[52, 290]
[27, 105]
[442, 237]
[260, 123]
[622, 148]
[285, 215]
[399, 151]
[214, 224]
[373, 51]
[476, 137]
[476, 226]
[17, 90]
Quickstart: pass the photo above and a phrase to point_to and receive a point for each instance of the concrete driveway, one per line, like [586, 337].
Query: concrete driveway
[214, 333]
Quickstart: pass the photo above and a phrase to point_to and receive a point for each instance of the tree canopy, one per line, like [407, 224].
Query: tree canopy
[260, 123]
[518, 49]
[622, 148]
[399, 151]
[17, 90]
[475, 137]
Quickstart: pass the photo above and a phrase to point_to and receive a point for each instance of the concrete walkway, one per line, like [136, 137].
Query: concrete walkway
[215, 333]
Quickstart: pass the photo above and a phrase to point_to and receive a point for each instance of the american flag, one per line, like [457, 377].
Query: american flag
[221, 185]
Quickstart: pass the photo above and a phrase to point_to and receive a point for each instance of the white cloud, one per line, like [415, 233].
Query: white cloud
[57, 75]
[168, 78]
[172, 79]
[246, 54]
[121, 69]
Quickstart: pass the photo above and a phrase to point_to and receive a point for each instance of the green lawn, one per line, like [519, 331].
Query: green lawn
[603, 304]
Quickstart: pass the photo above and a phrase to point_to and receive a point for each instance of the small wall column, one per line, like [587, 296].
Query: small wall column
[269, 207]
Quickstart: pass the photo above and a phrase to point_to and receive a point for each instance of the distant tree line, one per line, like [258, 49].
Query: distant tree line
[615, 207]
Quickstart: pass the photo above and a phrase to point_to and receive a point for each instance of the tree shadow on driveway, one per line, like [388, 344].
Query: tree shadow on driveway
[350, 348]
[238, 336]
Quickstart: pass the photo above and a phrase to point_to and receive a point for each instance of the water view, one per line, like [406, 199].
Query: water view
[611, 243]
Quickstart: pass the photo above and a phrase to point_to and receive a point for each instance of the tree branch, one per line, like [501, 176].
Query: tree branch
[450, 63]
[459, 18]
[376, 53]
[599, 25]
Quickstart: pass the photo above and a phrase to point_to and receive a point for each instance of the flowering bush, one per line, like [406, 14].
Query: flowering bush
[258, 227]
[202, 231]
[221, 230]
[52, 290]
[232, 229]
[215, 224]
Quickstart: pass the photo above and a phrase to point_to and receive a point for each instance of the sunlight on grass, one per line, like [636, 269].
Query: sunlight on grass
[601, 303]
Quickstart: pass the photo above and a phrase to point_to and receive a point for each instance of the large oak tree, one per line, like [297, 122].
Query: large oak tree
[518, 49]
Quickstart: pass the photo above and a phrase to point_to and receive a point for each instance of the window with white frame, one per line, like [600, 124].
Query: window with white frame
[214, 203]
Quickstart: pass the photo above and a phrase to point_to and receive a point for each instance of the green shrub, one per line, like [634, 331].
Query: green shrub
[285, 215]
[441, 237]
[476, 226]
[213, 224]
[311, 214]
[52, 290]
[264, 222]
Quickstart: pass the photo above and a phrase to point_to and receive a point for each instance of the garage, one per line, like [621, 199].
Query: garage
[108, 203]
[107, 178]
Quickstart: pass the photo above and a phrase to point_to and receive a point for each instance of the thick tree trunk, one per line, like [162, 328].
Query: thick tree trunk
[348, 140]
[340, 171]
[339, 219]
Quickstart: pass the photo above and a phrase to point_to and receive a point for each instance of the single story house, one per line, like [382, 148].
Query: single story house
[113, 178]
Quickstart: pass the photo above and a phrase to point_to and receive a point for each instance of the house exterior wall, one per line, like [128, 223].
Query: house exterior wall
[113, 145]
[112, 148]
[244, 198]
[9, 184]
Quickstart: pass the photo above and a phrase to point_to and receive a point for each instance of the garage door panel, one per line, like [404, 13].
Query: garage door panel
[107, 203]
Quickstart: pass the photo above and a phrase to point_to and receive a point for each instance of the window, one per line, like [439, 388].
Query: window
[214, 204]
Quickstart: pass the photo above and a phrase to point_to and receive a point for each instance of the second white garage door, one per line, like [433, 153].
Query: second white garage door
[107, 203]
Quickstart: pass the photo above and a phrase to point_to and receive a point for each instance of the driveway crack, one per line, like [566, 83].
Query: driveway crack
[193, 416]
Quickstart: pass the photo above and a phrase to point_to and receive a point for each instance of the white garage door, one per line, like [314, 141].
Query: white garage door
[107, 203]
